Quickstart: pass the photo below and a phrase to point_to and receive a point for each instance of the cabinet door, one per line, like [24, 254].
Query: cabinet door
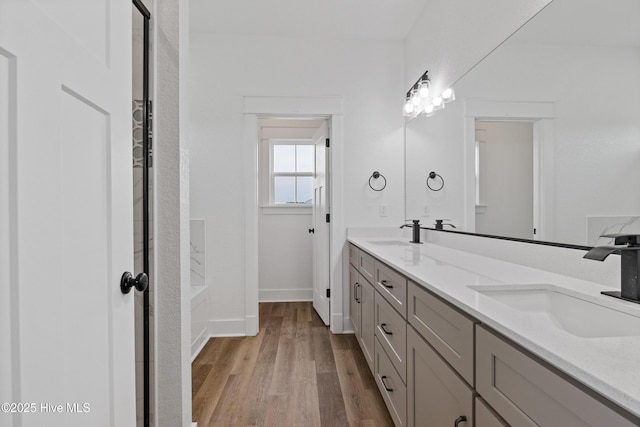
[436, 395]
[354, 300]
[526, 393]
[485, 417]
[367, 322]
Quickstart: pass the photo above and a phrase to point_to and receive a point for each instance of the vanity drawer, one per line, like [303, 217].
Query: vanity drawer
[527, 393]
[393, 390]
[366, 265]
[354, 254]
[449, 331]
[391, 330]
[392, 286]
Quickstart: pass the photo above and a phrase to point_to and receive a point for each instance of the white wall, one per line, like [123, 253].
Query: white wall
[224, 68]
[172, 352]
[450, 37]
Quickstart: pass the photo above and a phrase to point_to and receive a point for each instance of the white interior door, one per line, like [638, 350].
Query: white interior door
[67, 333]
[321, 225]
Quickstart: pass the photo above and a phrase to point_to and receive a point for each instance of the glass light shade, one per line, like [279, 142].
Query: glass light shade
[408, 107]
[438, 103]
[429, 110]
[415, 98]
[448, 95]
[424, 88]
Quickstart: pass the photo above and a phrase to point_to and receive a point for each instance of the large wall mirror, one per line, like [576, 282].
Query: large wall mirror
[543, 140]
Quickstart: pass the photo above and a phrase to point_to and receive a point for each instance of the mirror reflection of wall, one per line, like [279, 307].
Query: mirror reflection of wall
[573, 73]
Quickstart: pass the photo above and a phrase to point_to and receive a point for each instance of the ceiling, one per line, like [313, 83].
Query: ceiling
[332, 19]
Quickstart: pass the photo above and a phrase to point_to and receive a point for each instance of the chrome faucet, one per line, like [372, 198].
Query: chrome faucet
[416, 230]
[629, 263]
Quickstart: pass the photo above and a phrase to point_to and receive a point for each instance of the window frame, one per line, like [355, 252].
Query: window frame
[272, 175]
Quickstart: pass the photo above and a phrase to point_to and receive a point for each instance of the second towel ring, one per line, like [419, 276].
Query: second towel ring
[376, 175]
[433, 175]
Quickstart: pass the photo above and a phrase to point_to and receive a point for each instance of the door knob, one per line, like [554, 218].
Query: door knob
[312, 230]
[140, 282]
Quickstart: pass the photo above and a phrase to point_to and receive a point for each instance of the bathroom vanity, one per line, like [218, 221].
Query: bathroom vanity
[458, 339]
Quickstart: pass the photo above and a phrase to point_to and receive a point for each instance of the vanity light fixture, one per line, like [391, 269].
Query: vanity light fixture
[420, 99]
[424, 88]
[408, 107]
[448, 95]
[438, 103]
[429, 110]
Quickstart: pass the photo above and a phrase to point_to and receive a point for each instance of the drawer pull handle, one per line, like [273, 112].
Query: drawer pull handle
[461, 419]
[384, 283]
[355, 292]
[384, 329]
[383, 378]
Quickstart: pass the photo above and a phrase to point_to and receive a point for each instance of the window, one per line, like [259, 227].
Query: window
[291, 168]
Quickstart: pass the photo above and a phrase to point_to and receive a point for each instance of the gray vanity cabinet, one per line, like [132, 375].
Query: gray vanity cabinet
[448, 330]
[526, 393]
[391, 386]
[432, 361]
[367, 320]
[354, 300]
[361, 303]
[485, 417]
[436, 394]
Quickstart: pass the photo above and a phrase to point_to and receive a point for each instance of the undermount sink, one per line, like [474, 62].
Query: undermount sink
[571, 313]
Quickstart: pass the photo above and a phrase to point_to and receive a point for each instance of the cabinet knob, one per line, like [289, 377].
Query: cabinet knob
[312, 231]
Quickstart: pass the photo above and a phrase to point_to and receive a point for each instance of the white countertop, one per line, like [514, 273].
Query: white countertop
[608, 365]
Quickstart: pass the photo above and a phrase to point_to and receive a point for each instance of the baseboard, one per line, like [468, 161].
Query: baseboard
[251, 326]
[285, 295]
[198, 344]
[347, 326]
[227, 328]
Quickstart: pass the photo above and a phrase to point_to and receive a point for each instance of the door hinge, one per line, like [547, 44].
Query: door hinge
[327, 142]
[328, 218]
[328, 293]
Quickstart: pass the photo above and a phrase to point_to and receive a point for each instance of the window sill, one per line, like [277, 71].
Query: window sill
[286, 210]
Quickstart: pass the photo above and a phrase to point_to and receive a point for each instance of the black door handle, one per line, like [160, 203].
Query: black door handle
[127, 281]
[383, 326]
[312, 230]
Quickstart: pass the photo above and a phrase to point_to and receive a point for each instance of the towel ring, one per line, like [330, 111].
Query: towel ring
[376, 175]
[433, 175]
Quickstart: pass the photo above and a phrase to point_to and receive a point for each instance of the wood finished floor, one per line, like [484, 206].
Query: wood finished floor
[293, 373]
